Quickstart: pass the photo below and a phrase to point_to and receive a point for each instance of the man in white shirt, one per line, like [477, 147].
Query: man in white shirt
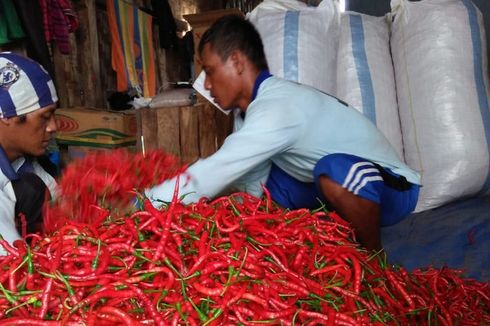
[306, 147]
[27, 122]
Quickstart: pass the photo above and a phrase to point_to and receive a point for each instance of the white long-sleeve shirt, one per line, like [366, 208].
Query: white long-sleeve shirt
[8, 200]
[292, 126]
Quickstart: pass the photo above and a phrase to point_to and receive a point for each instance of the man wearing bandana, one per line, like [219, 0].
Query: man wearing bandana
[27, 123]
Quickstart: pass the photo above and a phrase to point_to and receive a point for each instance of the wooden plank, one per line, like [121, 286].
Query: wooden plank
[189, 134]
[107, 76]
[208, 142]
[168, 126]
[208, 17]
[60, 80]
[148, 128]
[161, 65]
[67, 75]
[89, 63]
[224, 125]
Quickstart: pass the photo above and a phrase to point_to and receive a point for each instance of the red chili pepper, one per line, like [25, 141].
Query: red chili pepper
[355, 296]
[208, 256]
[8, 248]
[396, 284]
[96, 297]
[165, 223]
[208, 291]
[223, 229]
[147, 304]
[356, 286]
[45, 298]
[30, 321]
[122, 316]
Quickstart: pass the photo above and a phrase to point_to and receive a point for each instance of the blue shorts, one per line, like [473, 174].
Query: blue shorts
[361, 177]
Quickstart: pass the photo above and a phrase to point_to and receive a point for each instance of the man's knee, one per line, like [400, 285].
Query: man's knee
[337, 196]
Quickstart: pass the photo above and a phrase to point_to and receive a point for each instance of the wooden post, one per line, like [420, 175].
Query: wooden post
[208, 142]
[189, 134]
[89, 62]
[147, 129]
[65, 70]
[168, 126]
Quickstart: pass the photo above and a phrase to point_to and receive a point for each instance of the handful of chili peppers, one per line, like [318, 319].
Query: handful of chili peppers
[103, 181]
[236, 260]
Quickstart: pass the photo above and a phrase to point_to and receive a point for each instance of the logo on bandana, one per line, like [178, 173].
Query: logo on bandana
[8, 75]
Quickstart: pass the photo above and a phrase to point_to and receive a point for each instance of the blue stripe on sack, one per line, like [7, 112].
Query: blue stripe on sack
[479, 79]
[290, 54]
[362, 67]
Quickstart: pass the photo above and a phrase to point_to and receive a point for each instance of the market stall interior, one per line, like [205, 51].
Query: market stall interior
[417, 69]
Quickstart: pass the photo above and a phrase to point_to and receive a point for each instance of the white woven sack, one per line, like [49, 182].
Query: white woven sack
[438, 49]
[301, 45]
[365, 77]
[278, 5]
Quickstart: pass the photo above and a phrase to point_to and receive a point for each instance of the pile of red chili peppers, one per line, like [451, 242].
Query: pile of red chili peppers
[236, 260]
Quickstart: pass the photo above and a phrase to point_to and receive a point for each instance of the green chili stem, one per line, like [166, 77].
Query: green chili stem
[30, 264]
[9, 297]
[28, 301]
[216, 314]
[62, 278]
[95, 262]
[24, 261]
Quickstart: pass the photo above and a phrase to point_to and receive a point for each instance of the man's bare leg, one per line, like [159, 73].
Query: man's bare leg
[362, 214]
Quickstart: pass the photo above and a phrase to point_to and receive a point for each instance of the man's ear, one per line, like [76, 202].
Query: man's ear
[238, 60]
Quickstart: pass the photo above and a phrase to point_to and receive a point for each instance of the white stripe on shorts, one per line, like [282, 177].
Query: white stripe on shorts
[365, 181]
[356, 172]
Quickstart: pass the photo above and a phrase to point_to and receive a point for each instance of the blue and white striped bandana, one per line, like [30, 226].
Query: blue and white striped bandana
[24, 86]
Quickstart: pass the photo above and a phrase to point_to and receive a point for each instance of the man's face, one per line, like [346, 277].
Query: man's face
[222, 78]
[31, 137]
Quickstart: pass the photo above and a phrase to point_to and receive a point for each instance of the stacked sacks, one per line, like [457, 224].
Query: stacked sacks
[438, 51]
[442, 125]
[300, 42]
[365, 77]
[347, 57]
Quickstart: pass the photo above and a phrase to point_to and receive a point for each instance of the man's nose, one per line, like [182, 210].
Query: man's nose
[207, 83]
[52, 126]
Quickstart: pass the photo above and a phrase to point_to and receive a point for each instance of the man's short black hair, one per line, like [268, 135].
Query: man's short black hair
[234, 32]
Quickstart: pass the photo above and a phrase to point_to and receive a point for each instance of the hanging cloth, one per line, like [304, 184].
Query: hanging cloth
[10, 26]
[59, 21]
[36, 45]
[132, 49]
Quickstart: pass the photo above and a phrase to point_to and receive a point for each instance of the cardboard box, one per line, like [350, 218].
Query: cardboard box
[96, 128]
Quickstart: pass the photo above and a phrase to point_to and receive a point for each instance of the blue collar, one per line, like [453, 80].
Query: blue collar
[264, 74]
[7, 168]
